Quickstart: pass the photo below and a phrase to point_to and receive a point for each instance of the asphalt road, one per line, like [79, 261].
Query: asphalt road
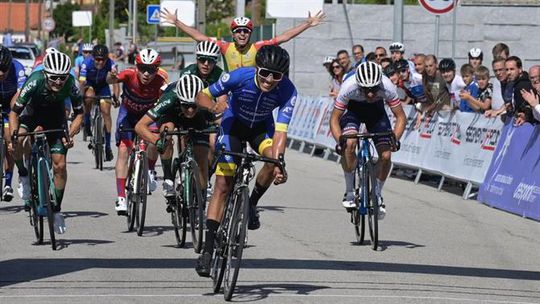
[434, 248]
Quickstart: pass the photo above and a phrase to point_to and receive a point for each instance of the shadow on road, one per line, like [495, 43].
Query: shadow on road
[65, 243]
[22, 270]
[262, 291]
[92, 214]
[12, 209]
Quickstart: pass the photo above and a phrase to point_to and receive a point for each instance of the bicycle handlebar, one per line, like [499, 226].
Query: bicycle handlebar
[393, 140]
[280, 162]
[190, 131]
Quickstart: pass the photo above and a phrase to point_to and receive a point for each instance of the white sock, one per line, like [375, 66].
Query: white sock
[379, 186]
[349, 181]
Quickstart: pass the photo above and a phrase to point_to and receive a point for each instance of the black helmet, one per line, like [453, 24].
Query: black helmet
[274, 58]
[401, 65]
[389, 70]
[5, 58]
[447, 64]
[100, 50]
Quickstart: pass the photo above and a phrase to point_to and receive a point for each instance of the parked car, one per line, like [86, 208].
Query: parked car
[32, 46]
[25, 56]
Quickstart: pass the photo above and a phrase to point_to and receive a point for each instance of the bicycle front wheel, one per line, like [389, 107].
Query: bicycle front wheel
[142, 191]
[130, 194]
[98, 142]
[372, 205]
[179, 221]
[45, 197]
[237, 237]
[195, 204]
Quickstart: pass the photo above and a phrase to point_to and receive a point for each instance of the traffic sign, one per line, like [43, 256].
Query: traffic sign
[438, 7]
[152, 13]
[48, 24]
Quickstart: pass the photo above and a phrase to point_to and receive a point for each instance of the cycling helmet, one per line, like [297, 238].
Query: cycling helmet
[368, 74]
[148, 56]
[273, 57]
[57, 63]
[5, 58]
[87, 47]
[101, 51]
[328, 59]
[208, 48]
[476, 53]
[447, 64]
[401, 65]
[187, 88]
[50, 50]
[397, 47]
[390, 70]
[243, 22]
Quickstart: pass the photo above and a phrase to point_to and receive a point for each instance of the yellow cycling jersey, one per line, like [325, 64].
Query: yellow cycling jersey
[234, 59]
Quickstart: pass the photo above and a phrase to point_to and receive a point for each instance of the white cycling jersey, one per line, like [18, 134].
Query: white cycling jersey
[454, 88]
[351, 91]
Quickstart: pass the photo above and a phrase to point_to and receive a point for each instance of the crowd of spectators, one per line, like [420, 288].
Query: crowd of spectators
[432, 85]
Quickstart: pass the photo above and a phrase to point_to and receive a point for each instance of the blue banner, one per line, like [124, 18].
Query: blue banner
[512, 182]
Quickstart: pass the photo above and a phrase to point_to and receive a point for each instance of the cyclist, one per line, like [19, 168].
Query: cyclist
[41, 105]
[253, 94]
[93, 80]
[86, 52]
[360, 100]
[12, 78]
[177, 108]
[142, 86]
[241, 52]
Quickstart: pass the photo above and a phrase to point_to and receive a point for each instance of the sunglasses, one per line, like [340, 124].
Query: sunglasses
[374, 89]
[203, 59]
[143, 68]
[189, 106]
[57, 77]
[265, 73]
[242, 30]
[86, 52]
[336, 67]
[99, 59]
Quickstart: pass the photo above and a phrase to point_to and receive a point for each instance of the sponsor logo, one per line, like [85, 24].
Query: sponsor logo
[21, 73]
[293, 101]
[30, 85]
[427, 127]
[450, 129]
[495, 190]
[473, 162]
[487, 138]
[525, 192]
[411, 148]
[225, 77]
[504, 179]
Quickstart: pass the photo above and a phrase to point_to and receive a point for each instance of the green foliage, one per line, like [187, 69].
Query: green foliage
[216, 10]
[62, 17]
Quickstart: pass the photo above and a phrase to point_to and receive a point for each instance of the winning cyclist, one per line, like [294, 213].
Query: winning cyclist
[361, 100]
[93, 79]
[12, 78]
[142, 86]
[177, 108]
[41, 105]
[241, 53]
[253, 94]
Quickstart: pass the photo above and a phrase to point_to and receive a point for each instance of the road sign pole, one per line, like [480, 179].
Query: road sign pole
[437, 27]
[454, 26]
[398, 21]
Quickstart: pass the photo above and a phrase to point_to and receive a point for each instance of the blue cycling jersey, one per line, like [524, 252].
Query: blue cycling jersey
[79, 61]
[14, 81]
[249, 104]
[92, 75]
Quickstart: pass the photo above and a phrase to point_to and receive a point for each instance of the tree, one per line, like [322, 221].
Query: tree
[62, 17]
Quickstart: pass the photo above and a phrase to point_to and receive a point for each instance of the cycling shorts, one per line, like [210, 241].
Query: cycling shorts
[128, 121]
[372, 115]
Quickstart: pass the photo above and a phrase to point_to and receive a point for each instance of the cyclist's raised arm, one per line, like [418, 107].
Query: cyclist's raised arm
[311, 21]
[192, 32]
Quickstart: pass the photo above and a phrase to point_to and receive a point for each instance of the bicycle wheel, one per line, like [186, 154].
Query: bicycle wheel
[195, 204]
[177, 210]
[2, 156]
[98, 141]
[218, 264]
[45, 197]
[372, 206]
[237, 238]
[142, 191]
[36, 221]
[130, 195]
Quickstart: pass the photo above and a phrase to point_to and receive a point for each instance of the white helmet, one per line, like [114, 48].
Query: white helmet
[368, 74]
[208, 48]
[475, 53]
[397, 47]
[328, 59]
[50, 50]
[57, 63]
[148, 56]
[187, 88]
[87, 47]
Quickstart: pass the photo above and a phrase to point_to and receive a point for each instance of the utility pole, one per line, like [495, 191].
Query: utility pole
[27, 21]
[240, 8]
[201, 15]
[398, 21]
[134, 38]
[111, 24]
[9, 14]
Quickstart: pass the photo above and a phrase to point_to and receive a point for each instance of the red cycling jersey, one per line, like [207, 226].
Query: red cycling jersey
[139, 98]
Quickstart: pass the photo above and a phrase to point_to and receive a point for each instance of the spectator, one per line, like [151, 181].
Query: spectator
[454, 83]
[470, 91]
[384, 62]
[337, 72]
[411, 83]
[522, 110]
[419, 63]
[345, 60]
[500, 50]
[391, 73]
[371, 57]
[485, 91]
[437, 96]
[327, 62]
[499, 82]
[532, 96]
[132, 53]
[7, 40]
[397, 52]
[475, 57]
[358, 54]
[119, 52]
[380, 52]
